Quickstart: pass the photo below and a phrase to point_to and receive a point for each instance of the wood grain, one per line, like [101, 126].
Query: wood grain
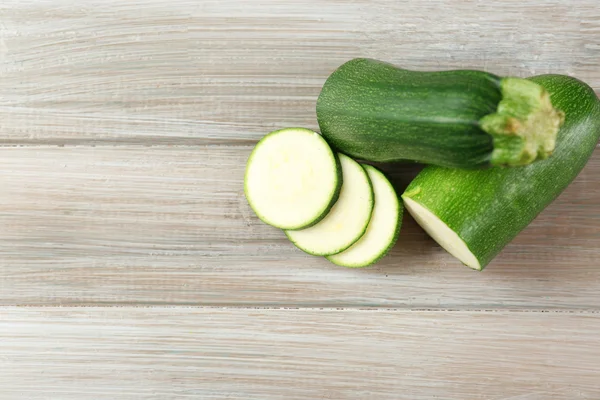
[187, 72]
[177, 353]
[170, 225]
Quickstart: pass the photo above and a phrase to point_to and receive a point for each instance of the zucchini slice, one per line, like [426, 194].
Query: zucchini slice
[348, 219]
[383, 229]
[292, 179]
[474, 214]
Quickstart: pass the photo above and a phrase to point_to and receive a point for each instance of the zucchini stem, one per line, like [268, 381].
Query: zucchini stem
[525, 124]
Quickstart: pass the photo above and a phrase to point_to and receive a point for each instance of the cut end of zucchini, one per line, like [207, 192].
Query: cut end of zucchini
[383, 229]
[441, 233]
[347, 220]
[292, 179]
[525, 124]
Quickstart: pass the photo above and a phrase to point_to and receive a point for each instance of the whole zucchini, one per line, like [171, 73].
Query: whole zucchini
[474, 214]
[375, 111]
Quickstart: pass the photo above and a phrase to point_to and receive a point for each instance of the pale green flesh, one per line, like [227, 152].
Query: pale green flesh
[441, 233]
[292, 178]
[347, 220]
[382, 230]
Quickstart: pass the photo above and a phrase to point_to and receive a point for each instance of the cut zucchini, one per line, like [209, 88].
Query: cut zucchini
[292, 178]
[383, 229]
[441, 233]
[474, 214]
[348, 219]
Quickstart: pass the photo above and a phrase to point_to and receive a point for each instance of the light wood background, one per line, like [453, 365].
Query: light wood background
[131, 266]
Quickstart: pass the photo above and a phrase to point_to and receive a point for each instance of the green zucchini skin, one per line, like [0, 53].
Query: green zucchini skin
[375, 111]
[488, 208]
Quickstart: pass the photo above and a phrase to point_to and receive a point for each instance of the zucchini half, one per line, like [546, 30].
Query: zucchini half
[474, 214]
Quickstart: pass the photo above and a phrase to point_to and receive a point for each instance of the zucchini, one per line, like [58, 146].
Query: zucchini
[347, 220]
[383, 229]
[474, 214]
[292, 178]
[374, 111]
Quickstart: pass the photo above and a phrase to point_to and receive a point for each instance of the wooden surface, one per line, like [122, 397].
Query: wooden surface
[131, 266]
[157, 353]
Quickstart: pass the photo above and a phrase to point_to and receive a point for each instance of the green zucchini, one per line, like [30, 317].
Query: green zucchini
[374, 111]
[383, 229]
[347, 220]
[292, 178]
[474, 214]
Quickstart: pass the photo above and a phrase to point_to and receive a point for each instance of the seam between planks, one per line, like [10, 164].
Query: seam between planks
[324, 309]
[156, 143]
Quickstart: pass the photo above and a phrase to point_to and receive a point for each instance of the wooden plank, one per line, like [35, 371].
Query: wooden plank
[170, 225]
[177, 353]
[95, 70]
[188, 72]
